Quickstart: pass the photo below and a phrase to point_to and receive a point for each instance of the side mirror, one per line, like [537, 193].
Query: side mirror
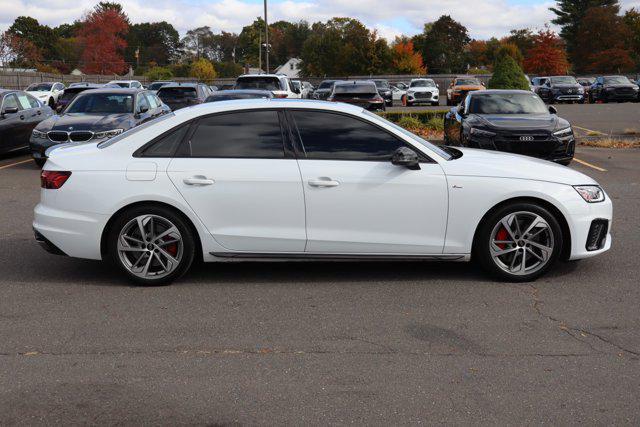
[296, 90]
[482, 83]
[460, 110]
[10, 110]
[553, 109]
[406, 157]
[143, 109]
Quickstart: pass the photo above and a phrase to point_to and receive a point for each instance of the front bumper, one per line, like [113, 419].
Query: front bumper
[39, 146]
[562, 97]
[423, 97]
[543, 146]
[581, 226]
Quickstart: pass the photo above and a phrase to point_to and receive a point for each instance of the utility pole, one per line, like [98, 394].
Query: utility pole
[260, 51]
[266, 35]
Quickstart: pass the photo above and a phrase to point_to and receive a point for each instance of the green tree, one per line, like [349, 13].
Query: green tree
[569, 15]
[157, 42]
[507, 74]
[443, 49]
[39, 36]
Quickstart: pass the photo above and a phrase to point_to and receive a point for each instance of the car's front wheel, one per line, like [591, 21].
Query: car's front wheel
[152, 245]
[518, 242]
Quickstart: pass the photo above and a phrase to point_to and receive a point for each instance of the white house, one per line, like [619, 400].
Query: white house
[291, 68]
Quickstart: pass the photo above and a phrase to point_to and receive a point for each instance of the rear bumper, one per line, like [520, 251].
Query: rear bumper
[77, 234]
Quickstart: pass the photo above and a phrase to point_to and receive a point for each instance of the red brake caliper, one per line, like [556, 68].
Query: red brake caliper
[502, 234]
[171, 248]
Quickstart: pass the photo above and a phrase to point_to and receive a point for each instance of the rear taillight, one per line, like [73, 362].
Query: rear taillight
[280, 95]
[378, 98]
[53, 180]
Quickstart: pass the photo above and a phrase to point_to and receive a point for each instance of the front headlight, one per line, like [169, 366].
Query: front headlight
[580, 89]
[563, 133]
[590, 193]
[636, 88]
[387, 92]
[482, 133]
[107, 134]
[39, 135]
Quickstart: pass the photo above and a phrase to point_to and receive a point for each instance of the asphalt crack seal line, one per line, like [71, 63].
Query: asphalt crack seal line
[573, 331]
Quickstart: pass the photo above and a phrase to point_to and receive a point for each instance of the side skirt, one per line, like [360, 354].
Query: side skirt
[247, 256]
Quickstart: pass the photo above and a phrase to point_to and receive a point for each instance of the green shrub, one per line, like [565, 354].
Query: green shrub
[507, 74]
[436, 123]
[423, 116]
[410, 123]
[159, 73]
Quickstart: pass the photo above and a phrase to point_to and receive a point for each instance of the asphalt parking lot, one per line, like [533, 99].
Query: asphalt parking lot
[587, 119]
[319, 343]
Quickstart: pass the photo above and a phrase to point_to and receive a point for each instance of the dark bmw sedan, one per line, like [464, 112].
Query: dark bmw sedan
[228, 95]
[362, 93]
[95, 115]
[180, 95]
[613, 89]
[19, 114]
[516, 121]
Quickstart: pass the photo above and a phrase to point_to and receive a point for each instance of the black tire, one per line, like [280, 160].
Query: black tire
[409, 104]
[40, 162]
[52, 104]
[482, 241]
[435, 104]
[188, 240]
[565, 162]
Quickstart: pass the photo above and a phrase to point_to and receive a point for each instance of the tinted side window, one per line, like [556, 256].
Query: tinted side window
[34, 102]
[338, 137]
[167, 144]
[152, 101]
[10, 101]
[250, 134]
[142, 102]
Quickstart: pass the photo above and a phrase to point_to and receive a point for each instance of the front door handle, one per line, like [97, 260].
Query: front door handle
[198, 180]
[323, 182]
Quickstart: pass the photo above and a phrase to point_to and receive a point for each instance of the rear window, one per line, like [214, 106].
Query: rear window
[326, 84]
[356, 89]
[177, 92]
[265, 83]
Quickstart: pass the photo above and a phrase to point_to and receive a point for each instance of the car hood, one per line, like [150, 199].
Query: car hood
[93, 122]
[468, 87]
[625, 85]
[39, 94]
[521, 121]
[489, 163]
[566, 86]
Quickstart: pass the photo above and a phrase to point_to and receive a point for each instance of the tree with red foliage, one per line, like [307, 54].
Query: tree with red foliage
[405, 59]
[103, 35]
[547, 56]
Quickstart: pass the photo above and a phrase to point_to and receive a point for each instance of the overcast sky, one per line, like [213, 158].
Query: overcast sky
[483, 18]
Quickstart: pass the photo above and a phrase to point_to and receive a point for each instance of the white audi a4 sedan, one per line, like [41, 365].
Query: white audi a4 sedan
[291, 179]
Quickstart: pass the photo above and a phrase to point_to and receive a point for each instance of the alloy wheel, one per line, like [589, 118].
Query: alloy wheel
[521, 243]
[150, 246]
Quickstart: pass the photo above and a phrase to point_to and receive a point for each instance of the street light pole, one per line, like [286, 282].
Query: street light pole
[266, 36]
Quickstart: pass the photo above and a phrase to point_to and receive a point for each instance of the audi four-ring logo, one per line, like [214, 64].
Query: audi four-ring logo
[526, 138]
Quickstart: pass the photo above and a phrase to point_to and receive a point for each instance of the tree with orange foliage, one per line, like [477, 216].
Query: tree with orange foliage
[103, 36]
[405, 59]
[547, 56]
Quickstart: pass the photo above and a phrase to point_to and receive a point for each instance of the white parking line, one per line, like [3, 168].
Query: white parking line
[15, 164]
[582, 162]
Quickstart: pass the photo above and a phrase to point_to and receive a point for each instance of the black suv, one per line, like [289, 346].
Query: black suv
[613, 88]
[95, 115]
[516, 121]
[561, 89]
[180, 95]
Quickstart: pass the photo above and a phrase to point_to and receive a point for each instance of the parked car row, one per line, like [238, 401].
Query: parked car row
[557, 89]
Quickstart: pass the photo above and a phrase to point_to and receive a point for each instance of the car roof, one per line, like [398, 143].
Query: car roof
[240, 91]
[43, 83]
[354, 82]
[175, 85]
[499, 91]
[124, 90]
[123, 81]
[247, 104]
[263, 75]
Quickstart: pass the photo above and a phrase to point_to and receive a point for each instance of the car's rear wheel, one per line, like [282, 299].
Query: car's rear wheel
[152, 245]
[518, 242]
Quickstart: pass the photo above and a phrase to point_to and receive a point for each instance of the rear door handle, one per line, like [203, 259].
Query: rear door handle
[198, 180]
[323, 182]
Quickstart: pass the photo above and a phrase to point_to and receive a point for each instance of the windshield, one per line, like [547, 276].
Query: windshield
[382, 84]
[102, 103]
[423, 83]
[177, 92]
[564, 80]
[70, 93]
[39, 87]
[507, 103]
[326, 84]
[266, 83]
[157, 85]
[617, 80]
[356, 89]
[433, 148]
[467, 82]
